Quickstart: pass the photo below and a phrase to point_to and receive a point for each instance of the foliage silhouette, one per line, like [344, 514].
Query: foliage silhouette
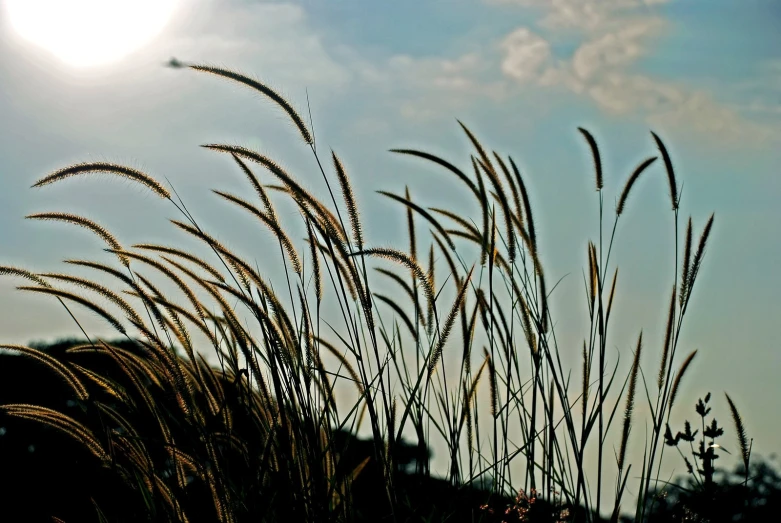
[259, 435]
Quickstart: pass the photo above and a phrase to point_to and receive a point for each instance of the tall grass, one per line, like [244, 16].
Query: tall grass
[449, 340]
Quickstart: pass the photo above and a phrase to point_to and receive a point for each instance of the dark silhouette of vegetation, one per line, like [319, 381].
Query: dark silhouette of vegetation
[750, 492]
[47, 473]
[145, 429]
[728, 498]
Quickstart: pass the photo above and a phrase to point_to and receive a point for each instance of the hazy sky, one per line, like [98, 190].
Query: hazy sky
[523, 74]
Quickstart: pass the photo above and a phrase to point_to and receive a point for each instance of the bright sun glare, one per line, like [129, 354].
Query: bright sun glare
[86, 33]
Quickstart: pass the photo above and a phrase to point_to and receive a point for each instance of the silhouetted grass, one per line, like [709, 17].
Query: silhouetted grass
[260, 436]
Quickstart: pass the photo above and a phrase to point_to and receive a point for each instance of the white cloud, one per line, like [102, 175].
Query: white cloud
[613, 50]
[758, 106]
[276, 40]
[524, 55]
[282, 46]
[623, 94]
[699, 112]
[615, 34]
[279, 42]
[458, 76]
[431, 87]
[588, 15]
[675, 106]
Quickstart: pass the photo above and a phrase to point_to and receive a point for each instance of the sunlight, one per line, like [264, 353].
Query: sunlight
[85, 33]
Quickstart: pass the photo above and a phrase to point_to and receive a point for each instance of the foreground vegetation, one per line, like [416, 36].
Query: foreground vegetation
[450, 343]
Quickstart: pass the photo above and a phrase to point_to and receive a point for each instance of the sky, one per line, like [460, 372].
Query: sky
[705, 75]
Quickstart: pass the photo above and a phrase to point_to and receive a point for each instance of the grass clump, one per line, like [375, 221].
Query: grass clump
[303, 364]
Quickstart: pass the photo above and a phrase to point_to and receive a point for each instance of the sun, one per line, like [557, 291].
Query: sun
[87, 33]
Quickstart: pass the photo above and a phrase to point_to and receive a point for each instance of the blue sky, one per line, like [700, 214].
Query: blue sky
[524, 74]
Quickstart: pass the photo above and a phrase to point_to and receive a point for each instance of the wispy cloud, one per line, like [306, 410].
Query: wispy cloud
[614, 50]
[611, 37]
[614, 35]
[286, 47]
[678, 107]
[276, 40]
[584, 15]
[525, 54]
[432, 87]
